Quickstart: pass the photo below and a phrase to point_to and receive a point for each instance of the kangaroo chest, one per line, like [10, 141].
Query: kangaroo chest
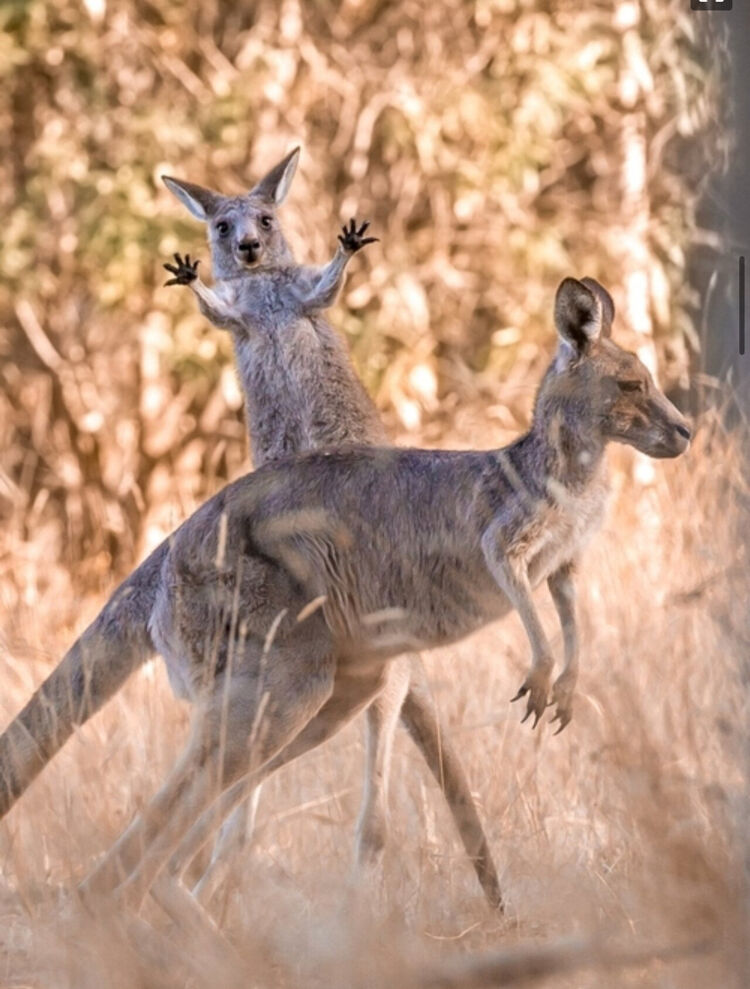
[562, 528]
[301, 392]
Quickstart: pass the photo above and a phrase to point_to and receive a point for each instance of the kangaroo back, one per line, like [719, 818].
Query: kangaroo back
[95, 667]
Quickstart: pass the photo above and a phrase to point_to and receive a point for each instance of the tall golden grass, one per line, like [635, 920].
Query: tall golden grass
[628, 830]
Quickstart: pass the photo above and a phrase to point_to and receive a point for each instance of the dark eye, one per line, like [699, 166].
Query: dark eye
[265, 222]
[632, 386]
[222, 228]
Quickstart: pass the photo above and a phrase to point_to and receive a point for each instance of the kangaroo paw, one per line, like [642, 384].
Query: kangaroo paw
[536, 685]
[562, 699]
[353, 239]
[184, 270]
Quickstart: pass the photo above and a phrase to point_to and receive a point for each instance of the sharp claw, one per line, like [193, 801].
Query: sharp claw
[521, 691]
[536, 720]
[526, 716]
[364, 227]
[172, 281]
[178, 259]
[564, 720]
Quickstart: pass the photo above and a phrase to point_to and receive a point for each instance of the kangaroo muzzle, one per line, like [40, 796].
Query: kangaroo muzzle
[683, 435]
[249, 250]
[673, 431]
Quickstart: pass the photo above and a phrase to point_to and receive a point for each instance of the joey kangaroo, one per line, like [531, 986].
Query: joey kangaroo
[349, 557]
[302, 393]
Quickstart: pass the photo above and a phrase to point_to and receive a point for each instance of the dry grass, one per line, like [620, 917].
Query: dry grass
[629, 828]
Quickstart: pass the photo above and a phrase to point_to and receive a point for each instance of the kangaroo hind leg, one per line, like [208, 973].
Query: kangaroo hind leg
[355, 686]
[246, 719]
[382, 719]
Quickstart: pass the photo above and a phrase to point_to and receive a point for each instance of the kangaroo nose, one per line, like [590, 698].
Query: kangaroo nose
[683, 430]
[250, 246]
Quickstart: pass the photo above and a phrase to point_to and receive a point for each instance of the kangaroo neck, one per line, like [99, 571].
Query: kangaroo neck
[553, 454]
[569, 445]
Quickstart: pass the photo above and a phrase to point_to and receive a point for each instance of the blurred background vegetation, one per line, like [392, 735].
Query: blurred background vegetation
[496, 145]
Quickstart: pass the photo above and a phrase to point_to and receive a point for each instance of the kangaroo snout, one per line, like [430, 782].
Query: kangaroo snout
[249, 249]
[683, 437]
[684, 430]
[674, 432]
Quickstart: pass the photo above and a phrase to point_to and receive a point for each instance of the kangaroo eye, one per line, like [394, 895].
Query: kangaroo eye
[265, 222]
[632, 386]
[222, 228]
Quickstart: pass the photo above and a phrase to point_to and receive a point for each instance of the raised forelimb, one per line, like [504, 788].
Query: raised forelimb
[562, 589]
[318, 288]
[211, 305]
[509, 570]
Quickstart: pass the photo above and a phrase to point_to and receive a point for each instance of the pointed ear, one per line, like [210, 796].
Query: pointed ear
[578, 315]
[201, 202]
[608, 306]
[275, 185]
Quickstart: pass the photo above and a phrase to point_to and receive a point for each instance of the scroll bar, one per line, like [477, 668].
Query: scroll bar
[742, 307]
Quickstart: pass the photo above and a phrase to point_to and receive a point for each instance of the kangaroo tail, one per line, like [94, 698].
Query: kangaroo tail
[418, 717]
[95, 667]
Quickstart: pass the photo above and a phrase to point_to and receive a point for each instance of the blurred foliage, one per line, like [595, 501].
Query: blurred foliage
[494, 144]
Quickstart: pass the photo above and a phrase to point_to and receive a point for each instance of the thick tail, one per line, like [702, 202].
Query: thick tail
[418, 717]
[95, 667]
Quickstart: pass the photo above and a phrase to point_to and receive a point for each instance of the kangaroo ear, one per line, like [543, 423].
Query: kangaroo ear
[578, 315]
[608, 306]
[275, 185]
[201, 202]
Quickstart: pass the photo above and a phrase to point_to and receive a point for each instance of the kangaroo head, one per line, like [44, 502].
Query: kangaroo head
[243, 231]
[600, 389]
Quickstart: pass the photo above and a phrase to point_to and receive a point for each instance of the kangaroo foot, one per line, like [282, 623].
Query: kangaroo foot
[353, 239]
[184, 270]
[536, 685]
